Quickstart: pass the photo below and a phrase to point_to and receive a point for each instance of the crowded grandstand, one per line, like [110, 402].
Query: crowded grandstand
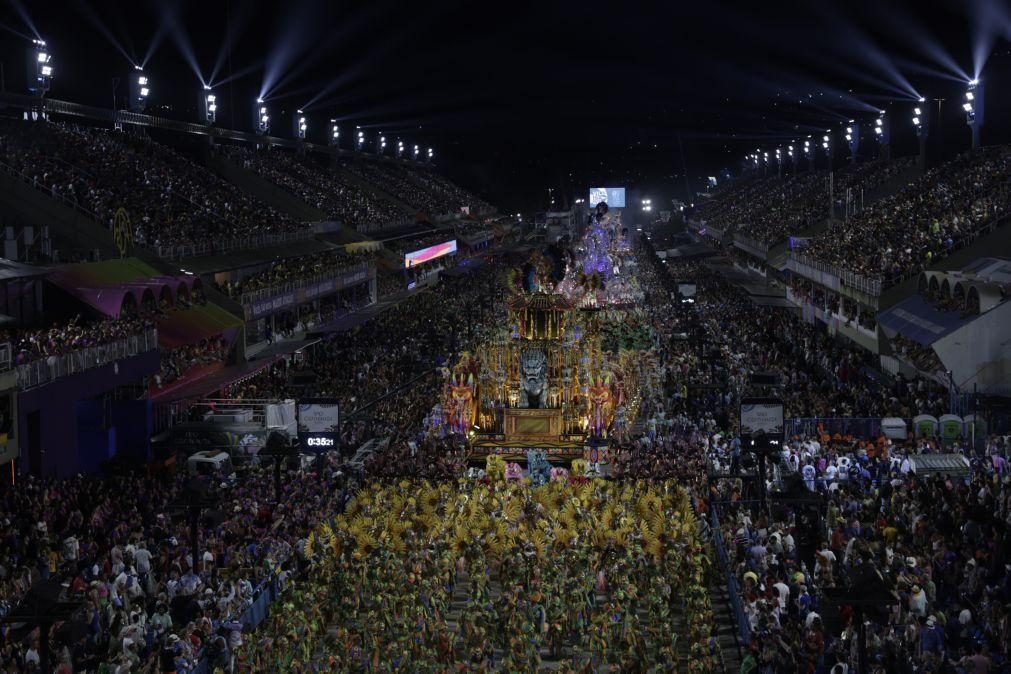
[314, 402]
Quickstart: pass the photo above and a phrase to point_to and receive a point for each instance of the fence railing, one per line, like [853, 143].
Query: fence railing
[50, 368]
[179, 252]
[751, 245]
[289, 286]
[815, 269]
[5, 356]
[31, 181]
[723, 560]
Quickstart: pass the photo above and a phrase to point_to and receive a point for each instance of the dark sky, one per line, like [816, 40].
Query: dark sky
[518, 97]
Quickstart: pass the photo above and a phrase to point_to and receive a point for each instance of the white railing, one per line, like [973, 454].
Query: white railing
[281, 288]
[50, 368]
[816, 270]
[751, 245]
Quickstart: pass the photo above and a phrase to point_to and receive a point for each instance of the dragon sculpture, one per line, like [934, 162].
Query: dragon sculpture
[533, 380]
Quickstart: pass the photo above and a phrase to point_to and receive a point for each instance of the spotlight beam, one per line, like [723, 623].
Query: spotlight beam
[96, 21]
[170, 17]
[156, 41]
[26, 18]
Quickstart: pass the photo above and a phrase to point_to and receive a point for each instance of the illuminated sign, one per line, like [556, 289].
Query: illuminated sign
[430, 253]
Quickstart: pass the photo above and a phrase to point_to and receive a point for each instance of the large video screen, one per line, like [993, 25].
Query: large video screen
[318, 423]
[430, 253]
[761, 416]
[614, 196]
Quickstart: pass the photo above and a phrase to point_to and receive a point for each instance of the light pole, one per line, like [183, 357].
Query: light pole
[973, 107]
[920, 124]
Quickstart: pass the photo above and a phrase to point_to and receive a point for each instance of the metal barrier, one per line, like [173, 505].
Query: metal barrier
[723, 559]
[32, 182]
[816, 270]
[45, 370]
[751, 245]
[230, 245]
[5, 356]
[281, 288]
[861, 427]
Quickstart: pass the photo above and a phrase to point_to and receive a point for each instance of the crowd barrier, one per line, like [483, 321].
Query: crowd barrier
[723, 560]
[860, 427]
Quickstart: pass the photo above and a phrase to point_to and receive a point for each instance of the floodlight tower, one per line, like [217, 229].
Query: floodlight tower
[400, 149]
[853, 139]
[380, 145]
[779, 161]
[417, 150]
[300, 125]
[883, 134]
[792, 154]
[973, 107]
[261, 117]
[921, 123]
[140, 89]
[809, 153]
[431, 155]
[335, 134]
[827, 145]
[360, 140]
[40, 68]
[208, 106]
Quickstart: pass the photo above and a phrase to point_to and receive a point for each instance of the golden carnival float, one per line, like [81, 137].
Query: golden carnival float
[566, 375]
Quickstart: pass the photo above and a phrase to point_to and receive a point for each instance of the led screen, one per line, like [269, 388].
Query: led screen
[614, 196]
[318, 424]
[430, 253]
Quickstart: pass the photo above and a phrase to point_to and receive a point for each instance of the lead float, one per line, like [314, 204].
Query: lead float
[566, 375]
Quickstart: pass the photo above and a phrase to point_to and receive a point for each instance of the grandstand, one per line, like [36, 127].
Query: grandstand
[293, 402]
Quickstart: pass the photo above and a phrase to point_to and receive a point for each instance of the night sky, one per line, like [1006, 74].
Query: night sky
[520, 97]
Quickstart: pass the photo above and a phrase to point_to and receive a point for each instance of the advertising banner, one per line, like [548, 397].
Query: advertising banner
[417, 257]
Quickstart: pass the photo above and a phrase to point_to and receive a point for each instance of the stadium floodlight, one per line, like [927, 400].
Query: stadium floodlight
[301, 124]
[40, 67]
[140, 90]
[431, 155]
[209, 106]
[335, 133]
[922, 99]
[380, 144]
[973, 107]
[416, 150]
[261, 117]
[361, 138]
[400, 148]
